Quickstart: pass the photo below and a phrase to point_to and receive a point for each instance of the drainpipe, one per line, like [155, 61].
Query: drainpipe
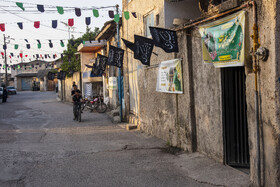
[255, 38]
[119, 69]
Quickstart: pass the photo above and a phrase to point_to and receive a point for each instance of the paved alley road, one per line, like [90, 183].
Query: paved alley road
[40, 145]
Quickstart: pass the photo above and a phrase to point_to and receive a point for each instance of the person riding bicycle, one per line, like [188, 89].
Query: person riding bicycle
[76, 98]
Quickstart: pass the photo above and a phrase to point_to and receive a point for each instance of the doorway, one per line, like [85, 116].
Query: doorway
[235, 126]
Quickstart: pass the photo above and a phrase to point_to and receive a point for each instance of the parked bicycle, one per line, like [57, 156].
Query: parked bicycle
[94, 103]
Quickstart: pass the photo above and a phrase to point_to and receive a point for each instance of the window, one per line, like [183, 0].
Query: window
[157, 19]
[148, 21]
[204, 4]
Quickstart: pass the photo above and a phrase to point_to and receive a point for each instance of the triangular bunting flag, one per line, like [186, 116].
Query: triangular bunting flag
[28, 46]
[20, 25]
[70, 22]
[117, 18]
[38, 41]
[20, 55]
[61, 43]
[26, 40]
[4, 47]
[126, 15]
[16, 46]
[39, 45]
[88, 21]
[111, 14]
[20, 5]
[60, 10]
[41, 8]
[37, 24]
[134, 14]
[50, 44]
[2, 27]
[12, 54]
[95, 13]
[165, 39]
[54, 24]
[2, 53]
[72, 42]
[78, 12]
[46, 56]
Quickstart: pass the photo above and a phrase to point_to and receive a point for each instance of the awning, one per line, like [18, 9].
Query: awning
[93, 46]
[27, 75]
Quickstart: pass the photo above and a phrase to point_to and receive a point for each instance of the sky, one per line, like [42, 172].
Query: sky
[11, 14]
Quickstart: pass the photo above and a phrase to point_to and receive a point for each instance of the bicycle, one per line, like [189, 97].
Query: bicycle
[78, 111]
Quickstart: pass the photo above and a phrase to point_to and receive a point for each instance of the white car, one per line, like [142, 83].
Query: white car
[1, 92]
[11, 90]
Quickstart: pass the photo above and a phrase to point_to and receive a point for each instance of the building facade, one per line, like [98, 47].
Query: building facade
[216, 114]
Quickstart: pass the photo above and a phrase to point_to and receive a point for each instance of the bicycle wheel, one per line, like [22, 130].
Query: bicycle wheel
[101, 108]
[79, 115]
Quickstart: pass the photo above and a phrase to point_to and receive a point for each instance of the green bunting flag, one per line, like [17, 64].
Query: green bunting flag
[39, 45]
[16, 46]
[18, 66]
[61, 43]
[20, 5]
[126, 15]
[95, 13]
[60, 10]
[84, 42]
[117, 18]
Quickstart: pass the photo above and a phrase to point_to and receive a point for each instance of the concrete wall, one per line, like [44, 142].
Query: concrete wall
[67, 86]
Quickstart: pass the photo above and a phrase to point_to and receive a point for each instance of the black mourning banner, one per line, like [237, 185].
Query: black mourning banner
[102, 62]
[143, 49]
[96, 70]
[129, 44]
[115, 57]
[165, 39]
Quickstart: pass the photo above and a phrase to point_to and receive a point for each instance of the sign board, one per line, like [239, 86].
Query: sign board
[170, 78]
[223, 41]
[113, 83]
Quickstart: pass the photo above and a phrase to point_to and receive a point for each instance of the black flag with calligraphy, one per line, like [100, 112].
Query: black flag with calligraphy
[102, 62]
[129, 44]
[51, 76]
[165, 39]
[96, 70]
[143, 49]
[115, 57]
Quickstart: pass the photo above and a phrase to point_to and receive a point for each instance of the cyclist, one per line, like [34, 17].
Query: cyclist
[76, 97]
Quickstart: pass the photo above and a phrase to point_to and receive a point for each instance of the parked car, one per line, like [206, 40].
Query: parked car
[1, 92]
[11, 90]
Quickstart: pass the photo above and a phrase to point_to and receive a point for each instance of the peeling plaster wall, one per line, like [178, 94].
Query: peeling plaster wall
[169, 116]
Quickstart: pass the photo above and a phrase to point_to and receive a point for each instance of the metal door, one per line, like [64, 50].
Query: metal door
[26, 84]
[236, 147]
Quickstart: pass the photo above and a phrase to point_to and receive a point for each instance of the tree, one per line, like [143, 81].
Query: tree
[71, 60]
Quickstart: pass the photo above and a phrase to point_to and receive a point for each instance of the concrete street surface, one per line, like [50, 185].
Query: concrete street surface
[41, 145]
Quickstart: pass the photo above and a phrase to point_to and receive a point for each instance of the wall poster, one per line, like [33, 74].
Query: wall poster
[223, 41]
[170, 78]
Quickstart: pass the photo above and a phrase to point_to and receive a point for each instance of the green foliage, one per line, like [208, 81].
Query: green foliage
[71, 60]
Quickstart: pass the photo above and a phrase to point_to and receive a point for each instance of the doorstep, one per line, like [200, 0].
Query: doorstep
[205, 170]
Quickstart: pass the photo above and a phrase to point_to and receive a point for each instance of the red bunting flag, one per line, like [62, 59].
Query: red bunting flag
[20, 55]
[37, 24]
[26, 55]
[2, 53]
[2, 27]
[70, 22]
[10, 56]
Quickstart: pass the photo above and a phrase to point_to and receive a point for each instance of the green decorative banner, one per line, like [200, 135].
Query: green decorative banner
[223, 41]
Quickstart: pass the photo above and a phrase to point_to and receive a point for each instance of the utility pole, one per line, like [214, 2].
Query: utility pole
[120, 81]
[6, 71]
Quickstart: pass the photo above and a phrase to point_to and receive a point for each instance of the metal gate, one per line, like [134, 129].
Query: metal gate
[26, 84]
[235, 124]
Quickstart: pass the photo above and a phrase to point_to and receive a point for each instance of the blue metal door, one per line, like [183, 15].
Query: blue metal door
[26, 84]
